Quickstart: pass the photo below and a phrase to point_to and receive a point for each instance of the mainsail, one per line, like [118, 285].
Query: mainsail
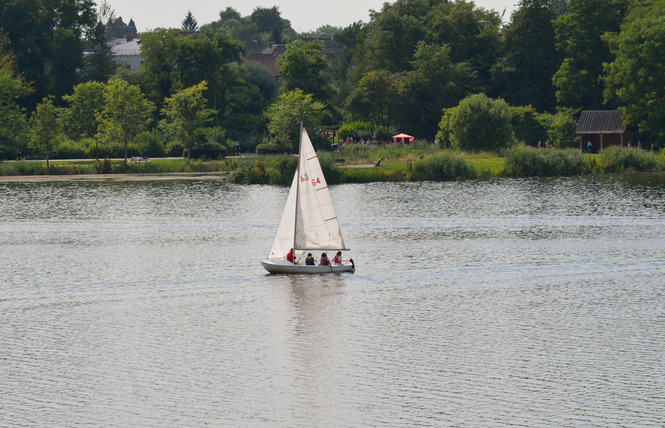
[309, 221]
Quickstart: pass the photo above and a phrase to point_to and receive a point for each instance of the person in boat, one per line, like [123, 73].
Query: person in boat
[324, 260]
[309, 260]
[338, 258]
[291, 257]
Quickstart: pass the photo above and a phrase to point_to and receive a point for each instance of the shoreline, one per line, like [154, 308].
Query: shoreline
[114, 177]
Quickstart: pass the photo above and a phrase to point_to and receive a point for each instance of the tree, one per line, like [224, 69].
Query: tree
[47, 39]
[578, 81]
[173, 62]
[635, 78]
[285, 115]
[12, 88]
[376, 96]
[125, 116]
[524, 72]
[186, 115]
[478, 123]
[189, 24]
[472, 33]
[80, 119]
[45, 128]
[304, 66]
[100, 64]
[248, 102]
[434, 83]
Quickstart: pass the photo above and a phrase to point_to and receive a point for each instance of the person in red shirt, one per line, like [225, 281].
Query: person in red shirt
[290, 257]
[338, 258]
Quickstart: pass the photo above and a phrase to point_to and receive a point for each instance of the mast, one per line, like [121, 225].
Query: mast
[295, 217]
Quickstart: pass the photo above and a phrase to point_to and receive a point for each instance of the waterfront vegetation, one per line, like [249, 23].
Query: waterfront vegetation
[358, 164]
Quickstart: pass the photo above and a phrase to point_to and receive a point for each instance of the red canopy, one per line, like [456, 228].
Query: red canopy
[402, 137]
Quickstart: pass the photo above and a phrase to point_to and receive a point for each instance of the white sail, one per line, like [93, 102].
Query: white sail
[284, 238]
[309, 221]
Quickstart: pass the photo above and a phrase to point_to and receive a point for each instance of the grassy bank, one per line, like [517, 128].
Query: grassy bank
[356, 164]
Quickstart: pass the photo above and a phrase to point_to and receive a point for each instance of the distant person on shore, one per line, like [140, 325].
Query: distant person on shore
[237, 149]
[309, 260]
[324, 260]
[18, 154]
[547, 144]
[540, 145]
[589, 147]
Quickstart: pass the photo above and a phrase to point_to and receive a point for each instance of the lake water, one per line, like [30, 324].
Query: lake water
[515, 302]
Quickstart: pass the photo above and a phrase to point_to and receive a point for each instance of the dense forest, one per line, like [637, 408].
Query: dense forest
[445, 71]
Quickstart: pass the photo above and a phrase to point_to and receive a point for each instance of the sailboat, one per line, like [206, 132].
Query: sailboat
[309, 223]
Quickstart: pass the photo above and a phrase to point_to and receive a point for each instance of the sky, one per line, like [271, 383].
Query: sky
[304, 15]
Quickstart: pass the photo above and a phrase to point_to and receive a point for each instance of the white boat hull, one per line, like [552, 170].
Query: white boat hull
[283, 266]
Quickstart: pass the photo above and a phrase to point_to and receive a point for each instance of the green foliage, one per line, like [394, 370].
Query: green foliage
[478, 123]
[12, 88]
[356, 130]
[434, 83]
[561, 129]
[303, 66]
[620, 159]
[87, 101]
[186, 115]
[270, 149]
[104, 166]
[580, 37]
[525, 69]
[530, 162]
[444, 167]
[70, 149]
[189, 24]
[173, 62]
[376, 96]
[125, 116]
[45, 128]
[286, 114]
[635, 77]
[47, 38]
[528, 126]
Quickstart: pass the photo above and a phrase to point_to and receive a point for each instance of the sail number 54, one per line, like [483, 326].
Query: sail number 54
[314, 181]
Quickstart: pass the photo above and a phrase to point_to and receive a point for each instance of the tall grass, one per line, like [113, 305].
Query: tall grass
[444, 167]
[530, 162]
[623, 159]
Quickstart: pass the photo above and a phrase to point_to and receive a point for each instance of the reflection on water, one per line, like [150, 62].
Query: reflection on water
[534, 302]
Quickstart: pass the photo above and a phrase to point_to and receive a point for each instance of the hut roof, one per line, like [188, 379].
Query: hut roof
[601, 122]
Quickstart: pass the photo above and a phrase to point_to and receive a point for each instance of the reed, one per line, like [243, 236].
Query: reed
[530, 162]
[443, 167]
[623, 159]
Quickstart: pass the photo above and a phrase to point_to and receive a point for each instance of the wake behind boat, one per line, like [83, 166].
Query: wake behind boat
[309, 223]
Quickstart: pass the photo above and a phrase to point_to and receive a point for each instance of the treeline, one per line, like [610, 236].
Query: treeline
[444, 71]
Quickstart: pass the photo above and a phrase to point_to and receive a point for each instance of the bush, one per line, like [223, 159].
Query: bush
[478, 123]
[69, 149]
[356, 130]
[209, 150]
[175, 149]
[530, 162]
[528, 125]
[321, 143]
[619, 159]
[271, 149]
[443, 168]
[104, 166]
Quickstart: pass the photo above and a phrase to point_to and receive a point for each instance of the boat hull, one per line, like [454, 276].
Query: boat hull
[283, 266]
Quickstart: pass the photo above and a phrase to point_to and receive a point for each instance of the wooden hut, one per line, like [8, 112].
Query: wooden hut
[603, 128]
